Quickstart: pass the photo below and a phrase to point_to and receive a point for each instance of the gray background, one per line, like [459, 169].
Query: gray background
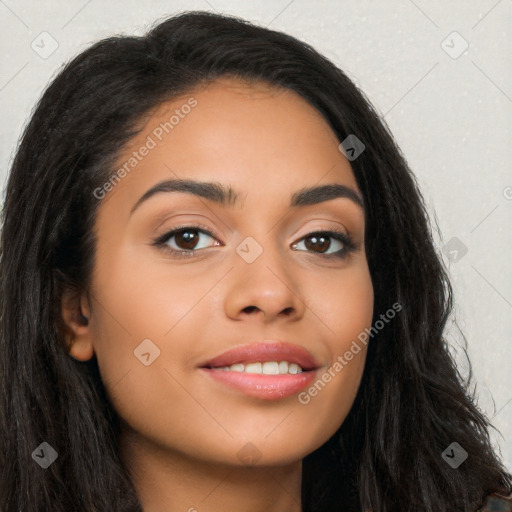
[447, 98]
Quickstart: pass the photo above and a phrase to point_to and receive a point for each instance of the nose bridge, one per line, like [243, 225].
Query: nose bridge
[262, 240]
[259, 230]
[262, 277]
[258, 247]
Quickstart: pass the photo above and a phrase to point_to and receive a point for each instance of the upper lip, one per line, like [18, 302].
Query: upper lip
[264, 351]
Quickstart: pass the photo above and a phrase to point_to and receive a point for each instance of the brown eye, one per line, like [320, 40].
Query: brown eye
[320, 242]
[317, 243]
[187, 240]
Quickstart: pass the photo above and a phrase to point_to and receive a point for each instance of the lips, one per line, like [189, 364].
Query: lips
[264, 351]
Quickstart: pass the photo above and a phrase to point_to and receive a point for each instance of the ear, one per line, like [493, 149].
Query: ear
[76, 314]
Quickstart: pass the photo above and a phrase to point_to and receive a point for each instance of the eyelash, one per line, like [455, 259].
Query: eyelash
[344, 238]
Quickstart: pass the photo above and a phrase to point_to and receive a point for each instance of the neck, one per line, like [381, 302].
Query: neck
[169, 481]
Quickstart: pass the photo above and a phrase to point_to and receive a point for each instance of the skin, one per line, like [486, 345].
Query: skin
[182, 431]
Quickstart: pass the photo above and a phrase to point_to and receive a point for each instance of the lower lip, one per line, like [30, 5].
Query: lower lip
[266, 387]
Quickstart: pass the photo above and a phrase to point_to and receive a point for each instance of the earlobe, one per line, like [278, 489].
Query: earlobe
[76, 316]
[81, 350]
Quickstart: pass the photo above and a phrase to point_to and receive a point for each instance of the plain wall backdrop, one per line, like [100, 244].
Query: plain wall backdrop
[440, 75]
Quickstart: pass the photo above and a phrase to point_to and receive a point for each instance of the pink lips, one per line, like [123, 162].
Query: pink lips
[265, 351]
[267, 387]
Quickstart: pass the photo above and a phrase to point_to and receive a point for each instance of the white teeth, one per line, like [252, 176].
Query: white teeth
[294, 368]
[253, 368]
[267, 368]
[270, 368]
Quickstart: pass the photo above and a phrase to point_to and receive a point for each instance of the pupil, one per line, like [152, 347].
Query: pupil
[319, 242]
[189, 240]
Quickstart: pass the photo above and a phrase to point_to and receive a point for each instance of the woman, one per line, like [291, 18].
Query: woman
[293, 360]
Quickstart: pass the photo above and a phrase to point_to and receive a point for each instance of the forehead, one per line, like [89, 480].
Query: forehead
[256, 137]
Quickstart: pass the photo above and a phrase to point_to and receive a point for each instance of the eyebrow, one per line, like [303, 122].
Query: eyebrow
[225, 195]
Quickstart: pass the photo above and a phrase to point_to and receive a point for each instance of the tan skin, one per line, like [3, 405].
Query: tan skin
[182, 432]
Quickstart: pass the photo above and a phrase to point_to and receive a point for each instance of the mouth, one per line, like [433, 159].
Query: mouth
[268, 357]
[263, 368]
[266, 370]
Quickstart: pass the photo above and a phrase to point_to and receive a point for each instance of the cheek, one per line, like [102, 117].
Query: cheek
[137, 300]
[345, 308]
[144, 315]
[344, 305]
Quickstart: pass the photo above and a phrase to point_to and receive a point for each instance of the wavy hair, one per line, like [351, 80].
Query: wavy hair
[412, 401]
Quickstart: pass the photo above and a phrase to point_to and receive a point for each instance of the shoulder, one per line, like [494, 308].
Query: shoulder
[494, 502]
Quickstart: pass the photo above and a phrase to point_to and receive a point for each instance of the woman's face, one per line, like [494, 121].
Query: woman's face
[267, 274]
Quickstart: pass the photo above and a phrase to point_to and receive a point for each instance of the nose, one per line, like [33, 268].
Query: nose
[267, 289]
